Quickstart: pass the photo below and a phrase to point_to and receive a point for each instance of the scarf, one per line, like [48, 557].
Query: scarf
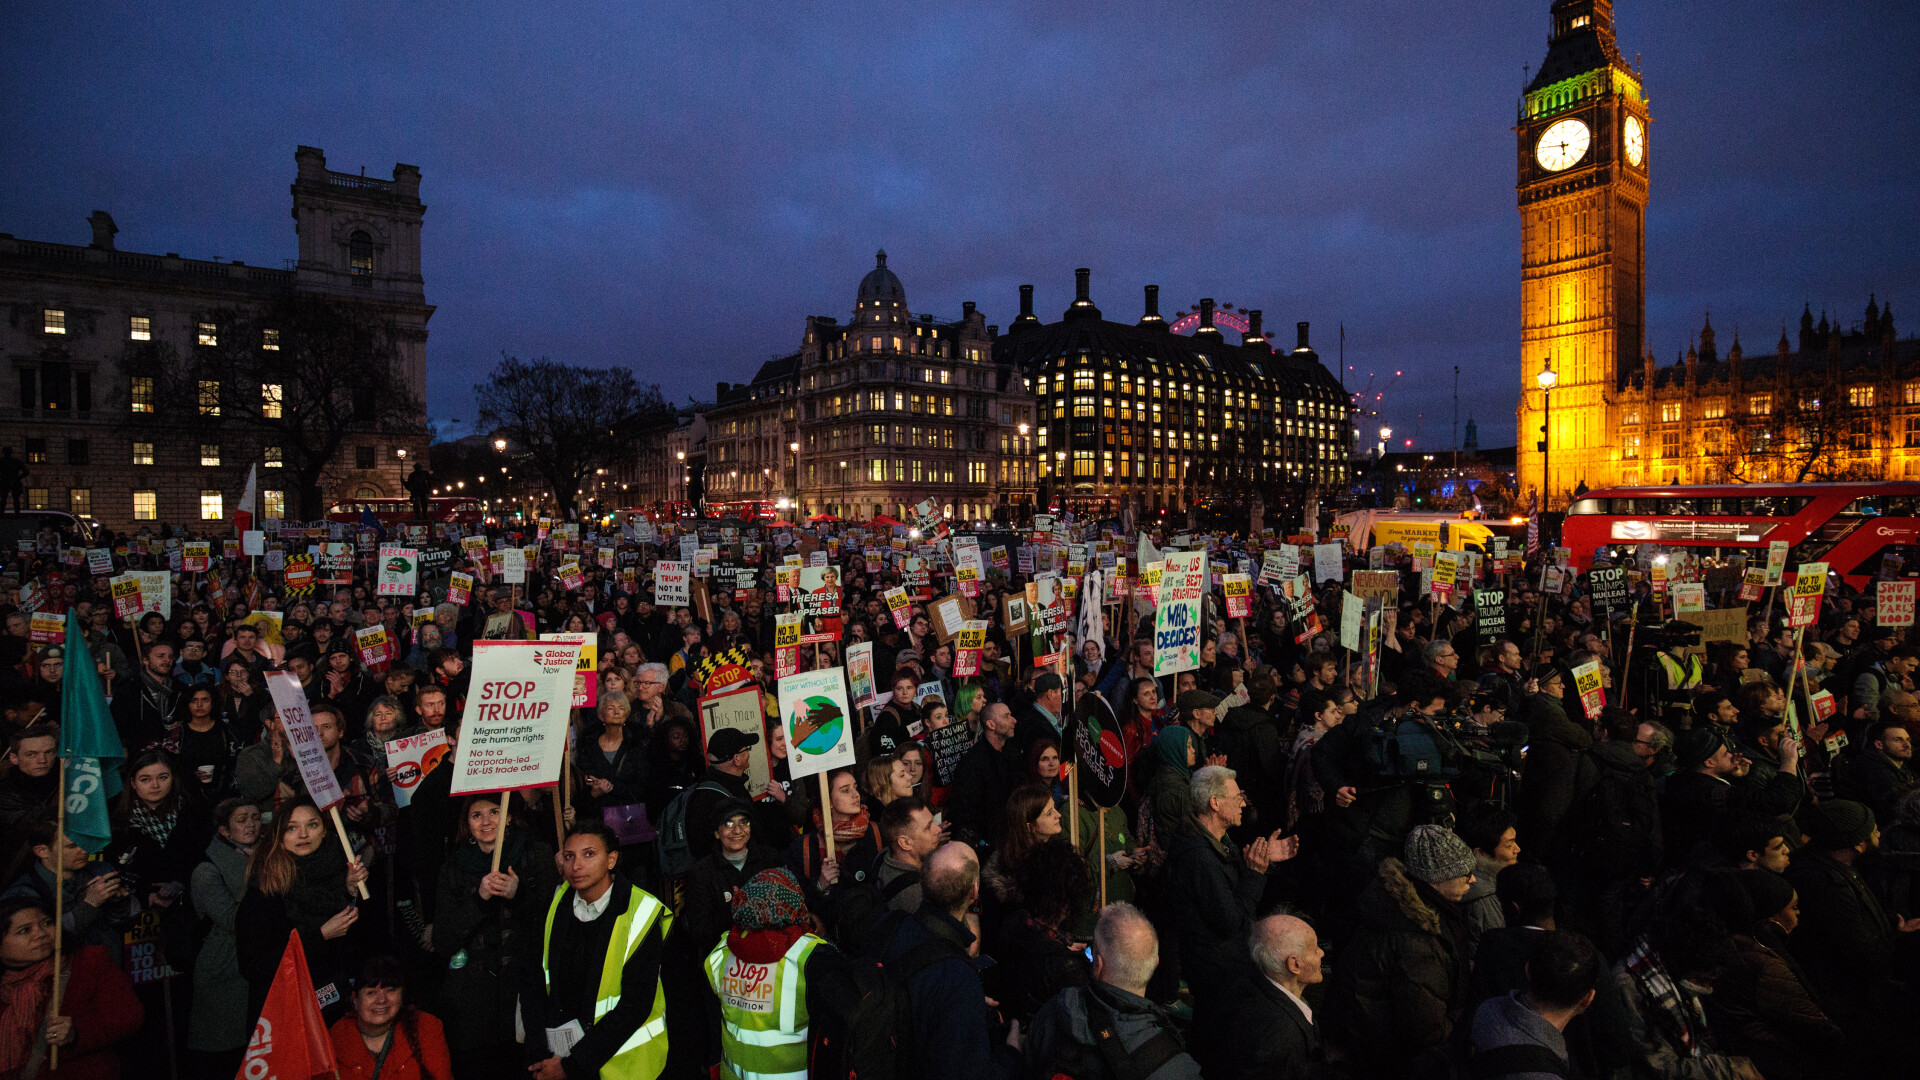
[1678, 1014]
[846, 832]
[1170, 749]
[153, 824]
[23, 1005]
[319, 889]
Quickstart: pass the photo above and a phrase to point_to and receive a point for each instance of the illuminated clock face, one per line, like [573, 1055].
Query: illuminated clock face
[1636, 141]
[1563, 145]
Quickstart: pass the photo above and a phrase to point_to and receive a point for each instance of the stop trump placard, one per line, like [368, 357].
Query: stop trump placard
[514, 732]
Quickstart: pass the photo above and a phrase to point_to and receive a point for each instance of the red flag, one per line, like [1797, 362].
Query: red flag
[290, 1039]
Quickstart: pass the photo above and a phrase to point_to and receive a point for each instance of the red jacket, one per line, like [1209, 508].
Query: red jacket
[104, 1009]
[403, 1058]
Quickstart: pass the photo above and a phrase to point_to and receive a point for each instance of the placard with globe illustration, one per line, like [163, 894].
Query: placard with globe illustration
[813, 706]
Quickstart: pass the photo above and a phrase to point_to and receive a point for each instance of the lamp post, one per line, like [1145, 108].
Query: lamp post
[793, 448]
[1546, 379]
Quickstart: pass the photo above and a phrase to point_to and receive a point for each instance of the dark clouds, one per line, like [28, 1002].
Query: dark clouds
[674, 186]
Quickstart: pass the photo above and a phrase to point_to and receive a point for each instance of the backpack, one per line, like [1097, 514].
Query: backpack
[1107, 1058]
[1405, 750]
[1616, 825]
[676, 854]
[861, 907]
[877, 1042]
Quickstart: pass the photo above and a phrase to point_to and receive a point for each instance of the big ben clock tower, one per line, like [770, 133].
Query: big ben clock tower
[1583, 199]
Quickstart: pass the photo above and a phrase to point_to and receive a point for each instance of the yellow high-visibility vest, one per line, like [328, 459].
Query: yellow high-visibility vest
[644, 1055]
[763, 1012]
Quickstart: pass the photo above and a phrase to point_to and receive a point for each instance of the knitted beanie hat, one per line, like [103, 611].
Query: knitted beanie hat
[770, 900]
[1839, 823]
[1434, 854]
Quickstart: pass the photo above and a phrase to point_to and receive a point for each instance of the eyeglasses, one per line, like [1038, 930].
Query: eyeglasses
[735, 826]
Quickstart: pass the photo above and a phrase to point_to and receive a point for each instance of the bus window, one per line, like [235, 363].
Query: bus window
[1588, 506]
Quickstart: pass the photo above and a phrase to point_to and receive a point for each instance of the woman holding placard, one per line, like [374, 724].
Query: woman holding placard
[300, 881]
[477, 915]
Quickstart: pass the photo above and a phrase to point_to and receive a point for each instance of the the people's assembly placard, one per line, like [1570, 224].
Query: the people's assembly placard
[514, 734]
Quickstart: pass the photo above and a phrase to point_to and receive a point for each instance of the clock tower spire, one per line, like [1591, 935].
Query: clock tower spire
[1582, 190]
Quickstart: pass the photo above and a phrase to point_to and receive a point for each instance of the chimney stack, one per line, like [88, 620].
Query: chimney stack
[1256, 335]
[1302, 346]
[1027, 317]
[1152, 314]
[966, 309]
[720, 391]
[1206, 328]
[1082, 297]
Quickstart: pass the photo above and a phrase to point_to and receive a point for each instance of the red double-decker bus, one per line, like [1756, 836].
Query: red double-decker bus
[400, 511]
[1850, 526]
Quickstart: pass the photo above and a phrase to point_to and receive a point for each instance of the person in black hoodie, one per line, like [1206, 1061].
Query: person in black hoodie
[27, 790]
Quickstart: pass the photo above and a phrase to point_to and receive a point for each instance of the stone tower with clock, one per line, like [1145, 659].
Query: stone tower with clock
[1583, 198]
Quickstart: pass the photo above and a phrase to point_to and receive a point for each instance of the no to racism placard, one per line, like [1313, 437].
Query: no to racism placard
[813, 707]
[515, 730]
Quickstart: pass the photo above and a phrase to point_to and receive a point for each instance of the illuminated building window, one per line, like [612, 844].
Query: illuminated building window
[209, 397]
[1669, 444]
[146, 506]
[140, 328]
[140, 393]
[53, 320]
[1713, 408]
[273, 504]
[272, 457]
[360, 253]
[143, 453]
[976, 472]
[1860, 397]
[1669, 412]
[1630, 446]
[208, 334]
[1082, 407]
[1910, 393]
[209, 453]
[270, 340]
[1760, 405]
[1082, 463]
[1913, 430]
[271, 399]
[211, 506]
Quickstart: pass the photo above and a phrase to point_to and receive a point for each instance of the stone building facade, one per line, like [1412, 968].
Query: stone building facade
[79, 413]
[1136, 417]
[876, 415]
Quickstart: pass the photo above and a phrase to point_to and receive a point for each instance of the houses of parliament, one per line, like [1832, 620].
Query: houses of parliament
[1834, 401]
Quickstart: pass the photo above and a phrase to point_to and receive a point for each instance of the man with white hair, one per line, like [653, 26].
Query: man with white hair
[1109, 1029]
[1268, 1030]
[1213, 890]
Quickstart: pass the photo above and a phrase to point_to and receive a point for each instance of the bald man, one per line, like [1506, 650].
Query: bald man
[1269, 1030]
[1125, 952]
[952, 1028]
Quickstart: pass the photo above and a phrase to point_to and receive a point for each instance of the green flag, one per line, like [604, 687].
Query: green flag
[89, 744]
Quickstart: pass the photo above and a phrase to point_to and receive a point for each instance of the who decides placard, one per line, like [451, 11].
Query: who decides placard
[1176, 618]
[515, 731]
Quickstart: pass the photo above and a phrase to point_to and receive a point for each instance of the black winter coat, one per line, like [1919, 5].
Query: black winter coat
[1845, 940]
[1211, 895]
[1547, 780]
[1264, 1036]
[1402, 982]
[1035, 964]
[485, 936]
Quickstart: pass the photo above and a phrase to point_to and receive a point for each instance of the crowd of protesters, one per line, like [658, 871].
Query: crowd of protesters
[1437, 860]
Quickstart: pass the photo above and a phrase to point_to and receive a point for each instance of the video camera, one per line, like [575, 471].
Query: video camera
[1675, 634]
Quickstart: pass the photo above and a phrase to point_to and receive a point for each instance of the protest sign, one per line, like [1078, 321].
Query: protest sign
[513, 565]
[47, 627]
[514, 733]
[786, 644]
[1721, 624]
[1809, 585]
[398, 570]
[738, 708]
[1014, 615]
[1752, 585]
[1383, 585]
[1776, 562]
[1176, 617]
[459, 588]
[303, 739]
[99, 561]
[1446, 571]
[1892, 602]
[126, 596]
[967, 645]
[946, 746]
[1353, 616]
[196, 557]
[253, 542]
[672, 583]
[156, 591]
[860, 674]
[1239, 595]
[586, 677]
[967, 569]
[1329, 562]
[1593, 697]
[819, 599]
[335, 564]
[1689, 597]
[375, 650]
[813, 708]
[411, 759]
[1490, 614]
[1607, 590]
[898, 606]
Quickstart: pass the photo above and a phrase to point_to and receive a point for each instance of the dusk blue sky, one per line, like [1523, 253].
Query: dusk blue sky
[675, 186]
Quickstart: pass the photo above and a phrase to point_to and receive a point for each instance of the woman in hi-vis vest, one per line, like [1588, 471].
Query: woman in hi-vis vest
[593, 1005]
[782, 988]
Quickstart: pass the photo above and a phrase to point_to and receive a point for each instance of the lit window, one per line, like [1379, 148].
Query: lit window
[80, 502]
[1669, 412]
[1860, 397]
[209, 334]
[1630, 447]
[37, 499]
[1760, 405]
[273, 504]
[270, 340]
[1913, 431]
[36, 451]
[271, 457]
[877, 470]
[143, 453]
[146, 506]
[1714, 408]
[211, 506]
[271, 397]
[140, 328]
[360, 252]
[53, 320]
[209, 397]
[209, 453]
[1910, 393]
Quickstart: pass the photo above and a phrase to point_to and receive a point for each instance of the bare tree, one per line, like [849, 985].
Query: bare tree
[568, 421]
[1802, 438]
[303, 375]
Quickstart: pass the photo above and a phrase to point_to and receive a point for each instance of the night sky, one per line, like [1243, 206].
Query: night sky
[675, 186]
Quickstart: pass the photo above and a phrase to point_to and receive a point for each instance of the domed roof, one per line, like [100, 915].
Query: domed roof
[882, 284]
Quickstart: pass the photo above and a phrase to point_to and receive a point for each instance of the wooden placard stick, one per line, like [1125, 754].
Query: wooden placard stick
[340, 830]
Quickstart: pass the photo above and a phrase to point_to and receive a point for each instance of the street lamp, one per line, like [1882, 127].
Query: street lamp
[1546, 379]
[500, 445]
